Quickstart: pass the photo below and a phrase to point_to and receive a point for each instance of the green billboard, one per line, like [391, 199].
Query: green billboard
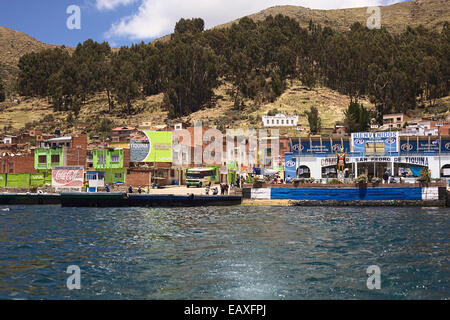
[37, 179]
[18, 180]
[2, 180]
[160, 146]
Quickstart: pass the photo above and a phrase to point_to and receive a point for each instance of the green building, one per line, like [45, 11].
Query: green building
[111, 162]
[45, 159]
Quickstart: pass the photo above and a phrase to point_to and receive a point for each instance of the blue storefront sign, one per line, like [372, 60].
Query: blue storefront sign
[424, 146]
[318, 148]
[290, 166]
[389, 139]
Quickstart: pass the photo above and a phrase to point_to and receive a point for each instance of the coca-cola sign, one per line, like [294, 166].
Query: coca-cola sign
[67, 177]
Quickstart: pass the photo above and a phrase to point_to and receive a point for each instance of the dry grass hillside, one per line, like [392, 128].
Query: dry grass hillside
[295, 101]
[13, 45]
[429, 13]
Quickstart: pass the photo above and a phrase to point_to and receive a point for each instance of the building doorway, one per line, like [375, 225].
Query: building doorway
[303, 172]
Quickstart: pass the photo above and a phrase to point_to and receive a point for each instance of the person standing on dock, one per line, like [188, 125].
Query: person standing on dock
[222, 189]
[386, 177]
[130, 189]
[107, 188]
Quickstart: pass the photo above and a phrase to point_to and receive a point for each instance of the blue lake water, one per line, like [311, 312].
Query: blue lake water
[279, 253]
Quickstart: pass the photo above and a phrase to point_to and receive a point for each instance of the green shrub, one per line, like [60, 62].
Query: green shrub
[425, 176]
[334, 181]
[362, 179]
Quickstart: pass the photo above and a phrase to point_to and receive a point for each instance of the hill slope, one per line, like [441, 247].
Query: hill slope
[430, 13]
[13, 45]
[296, 99]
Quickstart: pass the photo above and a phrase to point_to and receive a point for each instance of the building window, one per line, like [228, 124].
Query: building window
[273, 121]
[399, 119]
[101, 158]
[115, 158]
[55, 158]
[42, 159]
[118, 175]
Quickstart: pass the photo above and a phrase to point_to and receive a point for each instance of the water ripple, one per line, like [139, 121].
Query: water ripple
[224, 253]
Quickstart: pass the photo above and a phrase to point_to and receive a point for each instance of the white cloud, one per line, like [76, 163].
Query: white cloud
[111, 4]
[158, 17]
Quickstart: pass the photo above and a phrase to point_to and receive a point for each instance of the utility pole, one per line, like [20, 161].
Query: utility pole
[78, 149]
[300, 129]
[374, 126]
[439, 125]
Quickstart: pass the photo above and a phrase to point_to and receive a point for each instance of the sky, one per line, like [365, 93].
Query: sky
[123, 22]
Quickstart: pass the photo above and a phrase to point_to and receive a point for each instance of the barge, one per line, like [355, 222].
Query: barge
[117, 200]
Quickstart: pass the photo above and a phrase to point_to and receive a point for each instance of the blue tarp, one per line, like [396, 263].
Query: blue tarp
[416, 171]
[373, 194]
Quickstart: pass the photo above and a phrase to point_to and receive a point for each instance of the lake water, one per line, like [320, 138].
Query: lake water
[279, 253]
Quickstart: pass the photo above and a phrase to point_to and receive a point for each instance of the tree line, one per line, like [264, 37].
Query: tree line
[397, 72]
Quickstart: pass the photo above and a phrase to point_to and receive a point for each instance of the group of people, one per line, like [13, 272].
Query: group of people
[279, 180]
[130, 190]
[224, 187]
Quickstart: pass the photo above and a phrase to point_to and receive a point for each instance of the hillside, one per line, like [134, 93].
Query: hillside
[32, 112]
[429, 13]
[13, 45]
[296, 100]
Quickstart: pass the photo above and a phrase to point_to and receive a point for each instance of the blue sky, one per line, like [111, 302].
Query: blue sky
[123, 22]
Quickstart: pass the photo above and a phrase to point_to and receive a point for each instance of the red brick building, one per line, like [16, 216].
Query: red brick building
[11, 163]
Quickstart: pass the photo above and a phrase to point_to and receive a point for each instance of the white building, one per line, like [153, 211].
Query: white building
[280, 120]
[393, 121]
[420, 128]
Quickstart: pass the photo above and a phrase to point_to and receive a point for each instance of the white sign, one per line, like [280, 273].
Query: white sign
[420, 161]
[68, 178]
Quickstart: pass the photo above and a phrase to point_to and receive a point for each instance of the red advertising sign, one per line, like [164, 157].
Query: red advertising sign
[68, 177]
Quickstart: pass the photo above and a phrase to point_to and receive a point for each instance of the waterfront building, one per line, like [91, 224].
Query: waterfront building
[372, 155]
[47, 158]
[61, 151]
[111, 163]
